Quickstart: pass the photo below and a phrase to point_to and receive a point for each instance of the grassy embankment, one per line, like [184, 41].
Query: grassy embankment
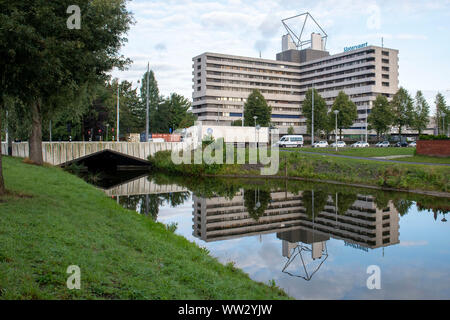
[322, 167]
[372, 152]
[52, 219]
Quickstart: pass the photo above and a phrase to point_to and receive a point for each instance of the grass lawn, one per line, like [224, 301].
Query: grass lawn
[323, 167]
[420, 158]
[378, 152]
[363, 152]
[52, 219]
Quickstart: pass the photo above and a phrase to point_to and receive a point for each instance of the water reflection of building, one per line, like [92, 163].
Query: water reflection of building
[363, 224]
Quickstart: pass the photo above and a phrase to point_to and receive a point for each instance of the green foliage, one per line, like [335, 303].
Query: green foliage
[122, 255]
[433, 137]
[256, 202]
[46, 66]
[347, 112]
[236, 123]
[172, 227]
[257, 106]
[290, 130]
[172, 113]
[403, 110]
[321, 120]
[442, 114]
[154, 100]
[421, 113]
[381, 116]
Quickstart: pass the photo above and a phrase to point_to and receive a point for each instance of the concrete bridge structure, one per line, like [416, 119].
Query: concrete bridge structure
[140, 186]
[63, 153]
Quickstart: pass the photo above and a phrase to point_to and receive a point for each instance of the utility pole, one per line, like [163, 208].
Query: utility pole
[118, 114]
[370, 103]
[312, 117]
[147, 109]
[336, 113]
[50, 130]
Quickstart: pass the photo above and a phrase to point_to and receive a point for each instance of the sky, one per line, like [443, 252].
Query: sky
[169, 33]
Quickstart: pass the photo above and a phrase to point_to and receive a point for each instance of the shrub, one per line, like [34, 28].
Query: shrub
[433, 137]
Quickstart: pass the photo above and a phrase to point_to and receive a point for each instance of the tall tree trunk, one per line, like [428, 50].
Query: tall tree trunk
[2, 183]
[35, 141]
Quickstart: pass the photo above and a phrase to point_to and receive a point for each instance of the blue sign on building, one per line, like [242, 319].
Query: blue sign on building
[359, 46]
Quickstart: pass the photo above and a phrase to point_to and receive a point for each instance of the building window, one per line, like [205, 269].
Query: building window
[198, 67]
[199, 81]
[385, 60]
[385, 76]
[199, 59]
[199, 88]
[385, 84]
[385, 53]
[199, 74]
[385, 68]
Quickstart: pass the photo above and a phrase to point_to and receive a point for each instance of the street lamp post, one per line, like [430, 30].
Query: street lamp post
[107, 129]
[254, 118]
[366, 120]
[118, 115]
[336, 113]
[312, 117]
[146, 108]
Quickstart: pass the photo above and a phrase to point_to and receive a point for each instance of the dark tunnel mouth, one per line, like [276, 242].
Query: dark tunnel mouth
[109, 160]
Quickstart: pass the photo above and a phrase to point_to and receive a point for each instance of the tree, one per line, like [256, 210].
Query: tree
[347, 111]
[45, 58]
[421, 112]
[321, 120]
[290, 130]
[380, 117]
[236, 123]
[173, 113]
[2, 182]
[402, 107]
[257, 106]
[188, 120]
[442, 114]
[154, 100]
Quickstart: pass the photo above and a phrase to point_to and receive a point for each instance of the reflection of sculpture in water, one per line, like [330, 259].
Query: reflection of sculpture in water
[298, 244]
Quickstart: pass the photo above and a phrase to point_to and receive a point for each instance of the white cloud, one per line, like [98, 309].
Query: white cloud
[169, 33]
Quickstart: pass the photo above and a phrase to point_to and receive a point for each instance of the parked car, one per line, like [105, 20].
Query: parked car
[383, 144]
[402, 144]
[291, 141]
[320, 144]
[412, 144]
[360, 144]
[340, 144]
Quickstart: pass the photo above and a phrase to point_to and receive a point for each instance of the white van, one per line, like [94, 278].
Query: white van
[291, 141]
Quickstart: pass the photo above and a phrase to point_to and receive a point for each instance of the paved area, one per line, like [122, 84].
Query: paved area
[371, 159]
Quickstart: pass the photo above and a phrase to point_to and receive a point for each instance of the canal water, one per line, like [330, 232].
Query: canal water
[316, 241]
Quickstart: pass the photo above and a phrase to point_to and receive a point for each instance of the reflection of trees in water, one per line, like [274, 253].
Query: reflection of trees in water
[148, 204]
[435, 209]
[314, 202]
[382, 200]
[402, 206]
[345, 201]
[256, 202]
